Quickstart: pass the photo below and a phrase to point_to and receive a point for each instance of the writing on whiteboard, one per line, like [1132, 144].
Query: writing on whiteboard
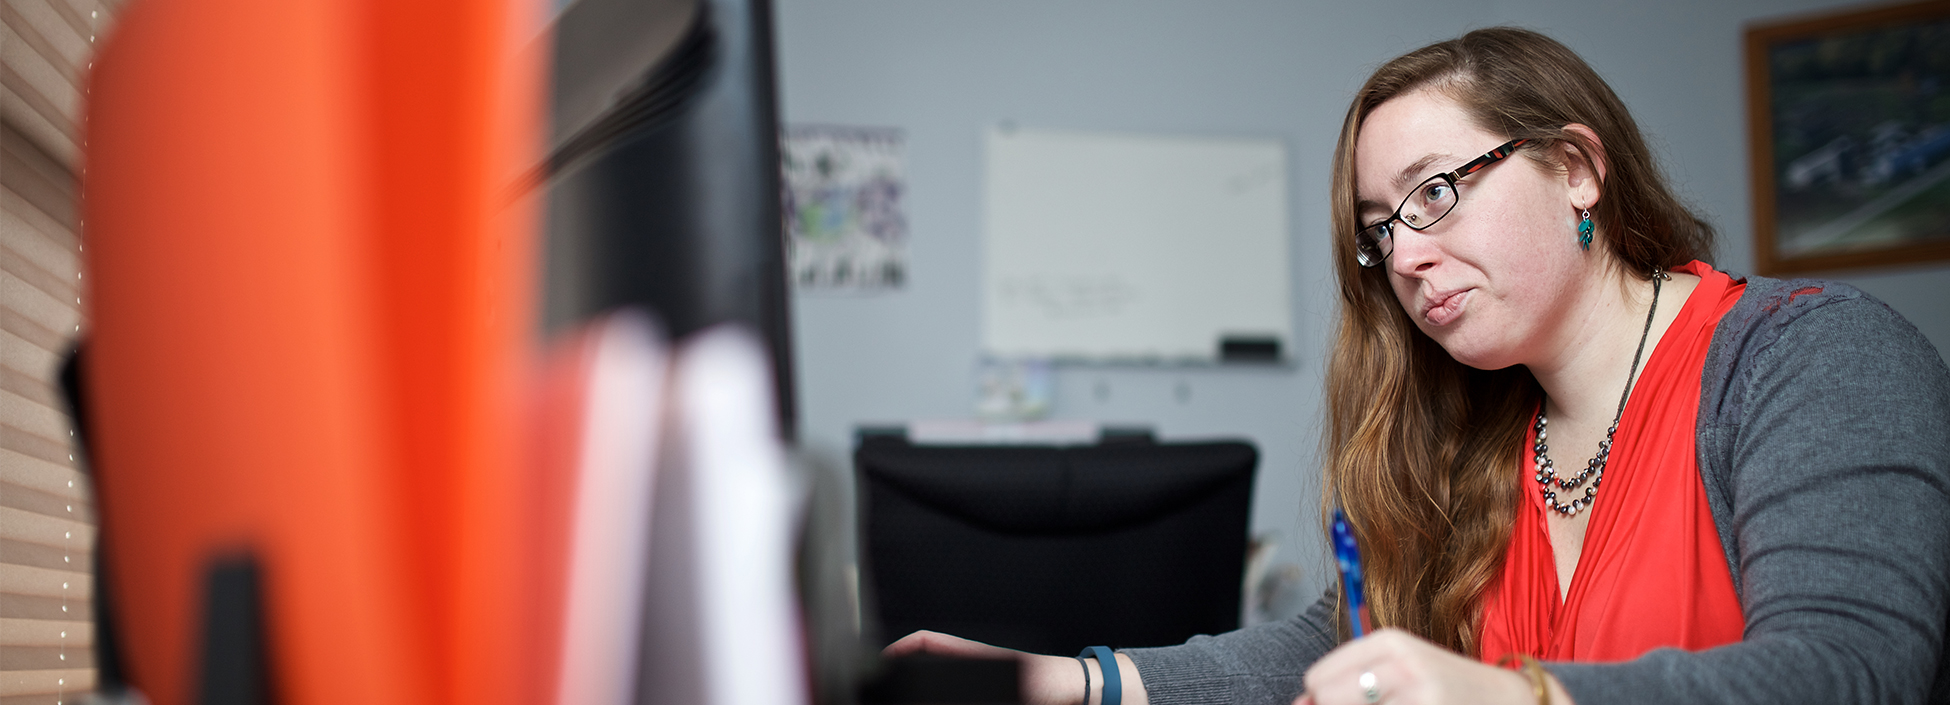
[1070, 297]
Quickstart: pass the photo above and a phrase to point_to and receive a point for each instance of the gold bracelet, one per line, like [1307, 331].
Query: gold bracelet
[1538, 682]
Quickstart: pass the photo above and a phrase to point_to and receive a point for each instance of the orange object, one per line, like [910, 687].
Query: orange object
[311, 280]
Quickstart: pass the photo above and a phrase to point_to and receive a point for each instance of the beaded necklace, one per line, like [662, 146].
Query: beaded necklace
[1595, 469]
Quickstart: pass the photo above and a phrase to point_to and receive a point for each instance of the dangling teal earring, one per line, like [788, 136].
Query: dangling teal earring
[1584, 231]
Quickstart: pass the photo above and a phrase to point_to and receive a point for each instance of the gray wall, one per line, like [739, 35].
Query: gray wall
[942, 70]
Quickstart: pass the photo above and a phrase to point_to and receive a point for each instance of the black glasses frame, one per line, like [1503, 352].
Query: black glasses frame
[1374, 243]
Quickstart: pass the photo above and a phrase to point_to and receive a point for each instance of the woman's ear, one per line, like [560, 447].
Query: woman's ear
[1584, 173]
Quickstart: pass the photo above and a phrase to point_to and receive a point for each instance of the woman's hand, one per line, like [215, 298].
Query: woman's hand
[1046, 680]
[939, 644]
[1409, 671]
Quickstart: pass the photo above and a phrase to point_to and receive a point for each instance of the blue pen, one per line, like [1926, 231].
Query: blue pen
[1348, 556]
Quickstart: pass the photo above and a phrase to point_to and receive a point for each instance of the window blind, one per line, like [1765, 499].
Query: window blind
[46, 515]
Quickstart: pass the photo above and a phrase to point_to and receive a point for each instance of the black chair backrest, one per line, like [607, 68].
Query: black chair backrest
[1051, 549]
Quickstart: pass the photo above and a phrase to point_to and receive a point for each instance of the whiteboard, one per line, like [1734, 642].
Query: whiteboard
[1122, 247]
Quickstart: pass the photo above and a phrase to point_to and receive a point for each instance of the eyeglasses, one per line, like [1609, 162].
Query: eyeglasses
[1423, 207]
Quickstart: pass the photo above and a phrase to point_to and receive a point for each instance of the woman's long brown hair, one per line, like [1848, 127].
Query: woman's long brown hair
[1424, 452]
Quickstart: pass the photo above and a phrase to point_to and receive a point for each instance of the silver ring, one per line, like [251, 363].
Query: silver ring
[1369, 692]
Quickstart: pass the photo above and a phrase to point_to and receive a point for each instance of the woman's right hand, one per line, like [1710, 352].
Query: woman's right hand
[1046, 680]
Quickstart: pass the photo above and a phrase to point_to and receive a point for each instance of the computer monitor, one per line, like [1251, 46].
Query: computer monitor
[663, 175]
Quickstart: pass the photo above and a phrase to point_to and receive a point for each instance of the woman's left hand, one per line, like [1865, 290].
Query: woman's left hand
[1392, 666]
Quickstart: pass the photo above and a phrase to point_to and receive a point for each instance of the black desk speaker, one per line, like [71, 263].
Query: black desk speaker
[1051, 549]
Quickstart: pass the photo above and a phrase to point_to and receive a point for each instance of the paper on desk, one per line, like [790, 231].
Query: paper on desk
[625, 357]
[723, 626]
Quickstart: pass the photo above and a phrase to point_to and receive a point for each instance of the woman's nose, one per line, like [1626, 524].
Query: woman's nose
[1414, 251]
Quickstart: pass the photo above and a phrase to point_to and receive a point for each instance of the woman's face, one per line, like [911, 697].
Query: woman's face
[1495, 282]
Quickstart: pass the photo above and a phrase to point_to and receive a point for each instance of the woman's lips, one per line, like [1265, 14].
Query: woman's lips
[1444, 309]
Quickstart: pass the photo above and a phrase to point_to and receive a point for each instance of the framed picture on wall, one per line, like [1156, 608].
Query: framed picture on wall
[1849, 121]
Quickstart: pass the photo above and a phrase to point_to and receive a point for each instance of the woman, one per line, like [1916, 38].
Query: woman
[1560, 438]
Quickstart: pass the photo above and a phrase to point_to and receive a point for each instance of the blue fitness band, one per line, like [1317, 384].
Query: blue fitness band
[1113, 686]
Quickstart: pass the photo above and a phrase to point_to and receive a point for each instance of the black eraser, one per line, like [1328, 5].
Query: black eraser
[1248, 348]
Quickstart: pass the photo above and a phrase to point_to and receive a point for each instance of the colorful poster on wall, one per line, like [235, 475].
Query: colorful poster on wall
[846, 228]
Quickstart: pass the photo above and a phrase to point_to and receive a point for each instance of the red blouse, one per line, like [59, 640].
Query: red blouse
[1653, 572]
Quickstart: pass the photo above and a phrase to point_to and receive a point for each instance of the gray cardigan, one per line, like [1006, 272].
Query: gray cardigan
[1824, 445]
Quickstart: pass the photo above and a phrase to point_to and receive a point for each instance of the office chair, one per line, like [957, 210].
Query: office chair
[1050, 549]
